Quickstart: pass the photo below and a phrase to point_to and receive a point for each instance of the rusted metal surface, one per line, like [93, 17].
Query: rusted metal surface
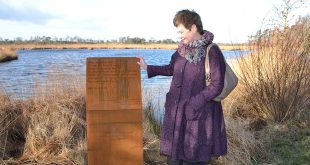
[114, 111]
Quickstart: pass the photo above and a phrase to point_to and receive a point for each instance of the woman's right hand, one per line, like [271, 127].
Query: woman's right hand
[142, 63]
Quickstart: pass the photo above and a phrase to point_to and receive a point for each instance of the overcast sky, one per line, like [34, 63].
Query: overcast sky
[229, 20]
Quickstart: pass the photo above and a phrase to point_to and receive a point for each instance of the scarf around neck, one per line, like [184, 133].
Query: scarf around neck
[195, 50]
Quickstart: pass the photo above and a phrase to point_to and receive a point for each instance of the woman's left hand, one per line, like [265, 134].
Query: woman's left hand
[142, 63]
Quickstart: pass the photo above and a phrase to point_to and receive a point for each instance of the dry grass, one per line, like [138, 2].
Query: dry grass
[274, 77]
[151, 129]
[46, 129]
[7, 54]
[50, 128]
[273, 96]
[107, 46]
[273, 91]
[151, 153]
[12, 129]
[243, 147]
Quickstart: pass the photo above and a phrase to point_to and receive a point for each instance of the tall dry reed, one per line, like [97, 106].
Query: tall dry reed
[12, 127]
[274, 77]
[51, 128]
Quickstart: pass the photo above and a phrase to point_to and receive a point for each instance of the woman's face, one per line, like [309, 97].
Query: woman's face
[186, 35]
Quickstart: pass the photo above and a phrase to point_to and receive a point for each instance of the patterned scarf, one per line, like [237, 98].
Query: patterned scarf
[193, 51]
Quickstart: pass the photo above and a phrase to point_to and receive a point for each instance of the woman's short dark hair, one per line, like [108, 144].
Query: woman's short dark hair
[188, 18]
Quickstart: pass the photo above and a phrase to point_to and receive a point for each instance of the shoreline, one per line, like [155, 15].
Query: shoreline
[8, 51]
[91, 46]
[7, 55]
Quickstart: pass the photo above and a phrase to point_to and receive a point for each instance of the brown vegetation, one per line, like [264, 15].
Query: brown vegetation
[7, 54]
[274, 77]
[272, 96]
[45, 129]
[50, 128]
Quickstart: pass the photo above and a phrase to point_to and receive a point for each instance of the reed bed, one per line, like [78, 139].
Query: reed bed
[273, 95]
[7, 54]
[50, 128]
[46, 129]
[274, 77]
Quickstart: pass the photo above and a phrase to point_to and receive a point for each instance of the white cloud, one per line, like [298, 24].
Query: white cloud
[230, 21]
[22, 12]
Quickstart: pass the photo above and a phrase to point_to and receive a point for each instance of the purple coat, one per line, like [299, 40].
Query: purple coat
[193, 126]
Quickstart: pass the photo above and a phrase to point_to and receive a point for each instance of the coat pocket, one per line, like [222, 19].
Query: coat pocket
[194, 114]
[168, 101]
[190, 113]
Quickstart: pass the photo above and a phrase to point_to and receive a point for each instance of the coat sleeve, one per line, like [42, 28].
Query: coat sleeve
[165, 70]
[217, 70]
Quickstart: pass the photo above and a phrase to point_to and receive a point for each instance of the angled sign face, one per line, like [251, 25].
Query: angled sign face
[114, 111]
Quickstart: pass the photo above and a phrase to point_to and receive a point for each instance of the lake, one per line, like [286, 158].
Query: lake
[19, 78]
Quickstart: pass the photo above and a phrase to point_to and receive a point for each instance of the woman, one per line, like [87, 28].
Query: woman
[193, 128]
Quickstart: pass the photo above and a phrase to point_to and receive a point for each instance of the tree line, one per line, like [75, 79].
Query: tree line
[77, 39]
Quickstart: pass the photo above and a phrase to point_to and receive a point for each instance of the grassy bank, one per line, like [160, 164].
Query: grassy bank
[7, 54]
[106, 46]
[51, 128]
[286, 143]
[48, 128]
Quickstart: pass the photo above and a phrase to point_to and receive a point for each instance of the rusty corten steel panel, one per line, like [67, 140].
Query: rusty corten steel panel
[114, 111]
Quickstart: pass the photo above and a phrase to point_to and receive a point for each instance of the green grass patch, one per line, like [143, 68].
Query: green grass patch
[287, 145]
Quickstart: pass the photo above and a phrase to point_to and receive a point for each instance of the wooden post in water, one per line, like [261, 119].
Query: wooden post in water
[114, 111]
